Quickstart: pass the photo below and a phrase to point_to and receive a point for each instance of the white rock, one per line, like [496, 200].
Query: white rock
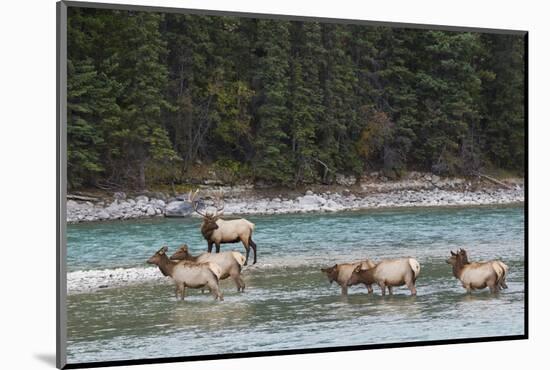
[142, 198]
[103, 215]
[71, 204]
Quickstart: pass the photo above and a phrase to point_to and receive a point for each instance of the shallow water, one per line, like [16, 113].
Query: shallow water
[288, 303]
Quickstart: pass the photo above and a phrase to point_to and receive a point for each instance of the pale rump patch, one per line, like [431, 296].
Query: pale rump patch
[415, 266]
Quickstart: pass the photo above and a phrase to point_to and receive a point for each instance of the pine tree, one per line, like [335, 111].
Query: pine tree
[339, 129]
[138, 49]
[272, 47]
[503, 101]
[305, 100]
[151, 97]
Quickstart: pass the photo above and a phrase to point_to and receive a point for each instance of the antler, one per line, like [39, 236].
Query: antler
[193, 201]
[219, 200]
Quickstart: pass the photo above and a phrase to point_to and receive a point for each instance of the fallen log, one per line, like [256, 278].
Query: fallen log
[493, 180]
[82, 198]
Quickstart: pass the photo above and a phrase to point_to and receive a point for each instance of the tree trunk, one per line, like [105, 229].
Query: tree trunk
[141, 179]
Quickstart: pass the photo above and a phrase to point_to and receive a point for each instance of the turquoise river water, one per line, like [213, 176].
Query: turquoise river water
[288, 302]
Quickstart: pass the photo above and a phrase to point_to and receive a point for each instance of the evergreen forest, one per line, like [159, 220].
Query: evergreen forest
[163, 98]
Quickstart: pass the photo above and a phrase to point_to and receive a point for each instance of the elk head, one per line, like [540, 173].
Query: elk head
[452, 260]
[181, 254]
[463, 256]
[331, 272]
[156, 258]
[208, 219]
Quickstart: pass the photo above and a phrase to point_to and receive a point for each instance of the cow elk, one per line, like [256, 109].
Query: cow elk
[478, 275]
[230, 263]
[188, 274]
[342, 272]
[500, 268]
[388, 273]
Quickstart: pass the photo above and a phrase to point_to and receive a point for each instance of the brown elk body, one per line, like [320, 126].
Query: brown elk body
[188, 274]
[388, 273]
[500, 268]
[475, 275]
[342, 272]
[230, 263]
[218, 231]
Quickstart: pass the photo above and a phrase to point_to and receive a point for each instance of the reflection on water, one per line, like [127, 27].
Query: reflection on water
[288, 302]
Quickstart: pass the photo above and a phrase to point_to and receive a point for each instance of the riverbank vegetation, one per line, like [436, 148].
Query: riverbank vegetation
[156, 99]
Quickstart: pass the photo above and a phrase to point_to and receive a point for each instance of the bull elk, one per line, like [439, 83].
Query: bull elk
[219, 231]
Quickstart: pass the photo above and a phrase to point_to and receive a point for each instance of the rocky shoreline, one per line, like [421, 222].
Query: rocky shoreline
[421, 191]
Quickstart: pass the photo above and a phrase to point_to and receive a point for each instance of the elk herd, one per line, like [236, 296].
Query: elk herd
[204, 271]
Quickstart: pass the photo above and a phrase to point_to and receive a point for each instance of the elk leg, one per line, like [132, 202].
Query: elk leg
[253, 245]
[412, 288]
[237, 279]
[210, 246]
[217, 247]
[345, 290]
[215, 289]
[383, 287]
[177, 291]
[369, 288]
[247, 253]
[390, 290]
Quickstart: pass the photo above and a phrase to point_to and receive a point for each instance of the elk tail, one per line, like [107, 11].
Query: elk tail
[415, 266]
[239, 258]
[501, 269]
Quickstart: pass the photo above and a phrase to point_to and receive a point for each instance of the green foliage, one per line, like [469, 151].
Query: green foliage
[116, 99]
[150, 96]
[271, 160]
[231, 171]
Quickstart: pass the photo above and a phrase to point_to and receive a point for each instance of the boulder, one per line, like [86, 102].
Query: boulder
[178, 208]
[102, 215]
[159, 203]
[71, 204]
[311, 201]
[142, 198]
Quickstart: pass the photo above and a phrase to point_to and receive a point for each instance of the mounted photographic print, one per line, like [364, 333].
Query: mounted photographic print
[234, 185]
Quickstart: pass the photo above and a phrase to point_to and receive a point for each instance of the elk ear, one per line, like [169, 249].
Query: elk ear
[357, 269]
[453, 253]
[163, 250]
